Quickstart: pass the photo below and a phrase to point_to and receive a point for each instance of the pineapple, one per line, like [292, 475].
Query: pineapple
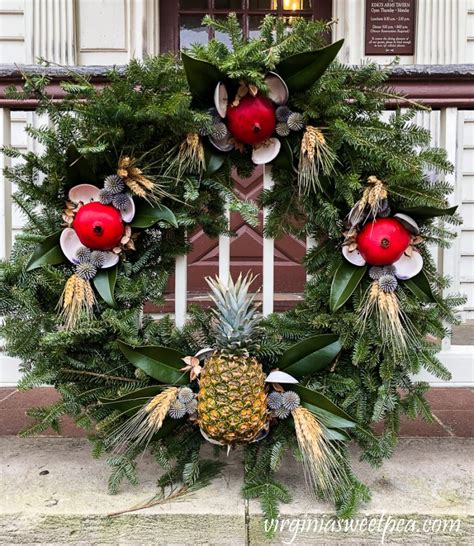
[232, 403]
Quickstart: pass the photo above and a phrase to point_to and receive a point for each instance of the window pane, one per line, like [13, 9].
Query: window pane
[193, 4]
[295, 5]
[227, 4]
[191, 31]
[254, 24]
[263, 4]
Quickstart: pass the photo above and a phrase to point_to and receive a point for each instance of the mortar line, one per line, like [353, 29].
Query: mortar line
[9, 395]
[443, 426]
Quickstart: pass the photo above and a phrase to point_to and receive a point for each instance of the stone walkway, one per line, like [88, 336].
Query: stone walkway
[53, 492]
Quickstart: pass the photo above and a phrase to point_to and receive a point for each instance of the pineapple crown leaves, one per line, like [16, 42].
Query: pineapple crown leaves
[235, 314]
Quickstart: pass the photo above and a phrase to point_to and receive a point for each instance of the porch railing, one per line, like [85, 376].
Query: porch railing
[447, 89]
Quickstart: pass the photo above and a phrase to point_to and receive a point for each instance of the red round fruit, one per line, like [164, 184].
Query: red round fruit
[252, 120]
[98, 226]
[383, 241]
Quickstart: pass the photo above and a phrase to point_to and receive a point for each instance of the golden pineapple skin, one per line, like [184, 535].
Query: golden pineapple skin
[232, 403]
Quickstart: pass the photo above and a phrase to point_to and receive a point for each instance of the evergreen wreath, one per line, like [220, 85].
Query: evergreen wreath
[128, 169]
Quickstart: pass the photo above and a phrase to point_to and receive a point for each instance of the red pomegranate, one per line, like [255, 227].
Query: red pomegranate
[383, 241]
[252, 120]
[98, 226]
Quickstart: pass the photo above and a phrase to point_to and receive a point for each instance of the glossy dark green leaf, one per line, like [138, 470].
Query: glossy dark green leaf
[310, 355]
[308, 396]
[131, 402]
[47, 252]
[161, 363]
[329, 419]
[214, 159]
[104, 283]
[421, 288]
[425, 213]
[345, 281]
[147, 215]
[284, 160]
[334, 434]
[202, 79]
[302, 70]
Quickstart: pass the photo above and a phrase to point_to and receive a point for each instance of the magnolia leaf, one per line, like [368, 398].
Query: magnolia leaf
[47, 252]
[104, 283]
[202, 79]
[329, 419]
[147, 215]
[333, 434]
[425, 213]
[420, 287]
[301, 71]
[284, 160]
[214, 160]
[161, 363]
[129, 403]
[345, 281]
[310, 355]
[321, 402]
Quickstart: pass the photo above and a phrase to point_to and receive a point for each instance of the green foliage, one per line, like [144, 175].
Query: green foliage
[145, 112]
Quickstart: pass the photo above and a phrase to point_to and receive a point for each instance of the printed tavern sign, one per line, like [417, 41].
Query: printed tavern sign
[390, 27]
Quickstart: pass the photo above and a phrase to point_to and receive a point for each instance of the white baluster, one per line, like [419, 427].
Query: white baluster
[268, 250]
[450, 139]
[224, 252]
[181, 290]
[5, 187]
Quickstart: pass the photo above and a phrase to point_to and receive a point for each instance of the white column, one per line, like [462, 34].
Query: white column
[181, 290]
[5, 187]
[440, 31]
[268, 250]
[450, 140]
[50, 31]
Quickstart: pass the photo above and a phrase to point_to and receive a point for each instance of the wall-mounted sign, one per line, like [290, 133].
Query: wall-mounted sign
[390, 27]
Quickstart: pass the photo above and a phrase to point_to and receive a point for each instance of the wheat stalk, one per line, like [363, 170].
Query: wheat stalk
[322, 467]
[373, 194]
[315, 156]
[394, 327]
[139, 429]
[77, 298]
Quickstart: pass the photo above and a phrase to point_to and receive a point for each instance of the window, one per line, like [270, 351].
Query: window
[180, 21]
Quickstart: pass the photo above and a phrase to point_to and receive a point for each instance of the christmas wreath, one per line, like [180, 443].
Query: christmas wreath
[129, 169]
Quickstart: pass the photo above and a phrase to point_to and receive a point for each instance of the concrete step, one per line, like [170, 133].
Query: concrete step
[53, 492]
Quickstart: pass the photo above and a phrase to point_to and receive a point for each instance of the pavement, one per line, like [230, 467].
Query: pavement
[54, 492]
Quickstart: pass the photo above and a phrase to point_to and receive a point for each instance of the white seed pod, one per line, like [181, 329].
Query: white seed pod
[295, 121]
[185, 394]
[282, 129]
[105, 196]
[83, 254]
[219, 131]
[121, 201]
[114, 184]
[191, 406]
[282, 113]
[290, 400]
[86, 271]
[177, 409]
[97, 258]
[274, 400]
[388, 283]
[281, 412]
